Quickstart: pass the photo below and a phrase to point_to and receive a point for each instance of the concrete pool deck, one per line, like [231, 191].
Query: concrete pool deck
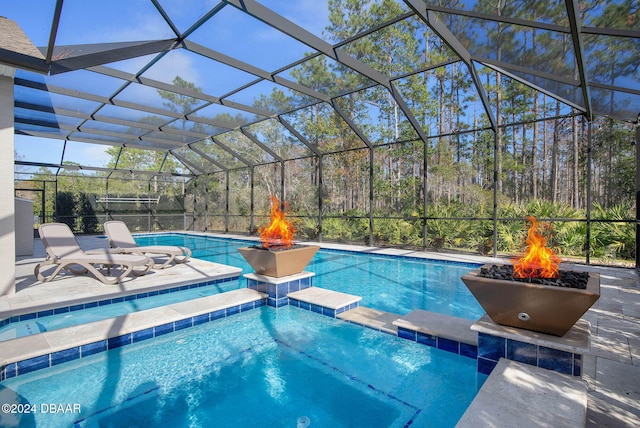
[612, 371]
[33, 296]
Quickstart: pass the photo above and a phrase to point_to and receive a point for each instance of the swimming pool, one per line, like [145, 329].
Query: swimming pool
[389, 283]
[392, 284]
[265, 367]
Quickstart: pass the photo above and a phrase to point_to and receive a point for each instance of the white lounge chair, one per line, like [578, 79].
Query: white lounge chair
[121, 241]
[64, 252]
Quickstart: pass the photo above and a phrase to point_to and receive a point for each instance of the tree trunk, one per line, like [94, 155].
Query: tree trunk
[554, 156]
[545, 148]
[498, 153]
[576, 152]
[534, 154]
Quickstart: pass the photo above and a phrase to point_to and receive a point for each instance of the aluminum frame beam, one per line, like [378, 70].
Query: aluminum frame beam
[578, 46]
[441, 30]
[188, 163]
[97, 168]
[110, 53]
[282, 24]
[248, 68]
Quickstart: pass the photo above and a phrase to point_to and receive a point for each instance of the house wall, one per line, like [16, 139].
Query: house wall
[7, 209]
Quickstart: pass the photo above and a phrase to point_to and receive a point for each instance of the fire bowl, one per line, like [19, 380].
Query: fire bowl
[536, 307]
[281, 262]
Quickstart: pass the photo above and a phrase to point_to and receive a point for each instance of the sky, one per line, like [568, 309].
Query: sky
[127, 20]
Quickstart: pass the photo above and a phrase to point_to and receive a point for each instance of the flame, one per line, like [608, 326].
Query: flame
[539, 261]
[280, 231]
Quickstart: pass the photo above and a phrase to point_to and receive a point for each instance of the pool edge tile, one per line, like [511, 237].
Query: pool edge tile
[63, 356]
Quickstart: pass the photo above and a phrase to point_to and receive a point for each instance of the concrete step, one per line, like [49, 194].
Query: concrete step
[525, 396]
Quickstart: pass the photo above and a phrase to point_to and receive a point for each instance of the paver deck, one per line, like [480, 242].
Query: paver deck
[524, 396]
[68, 289]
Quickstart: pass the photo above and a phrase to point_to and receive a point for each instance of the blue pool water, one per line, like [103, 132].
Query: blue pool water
[392, 284]
[261, 368]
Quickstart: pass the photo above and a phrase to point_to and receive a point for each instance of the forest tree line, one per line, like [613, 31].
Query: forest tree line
[367, 160]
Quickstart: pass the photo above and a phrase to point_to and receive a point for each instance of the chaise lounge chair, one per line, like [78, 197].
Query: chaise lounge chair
[64, 251]
[121, 241]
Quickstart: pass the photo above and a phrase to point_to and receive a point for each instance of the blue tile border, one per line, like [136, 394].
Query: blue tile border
[215, 315]
[442, 343]
[322, 310]
[278, 295]
[492, 348]
[83, 351]
[163, 329]
[93, 348]
[522, 352]
[278, 292]
[64, 356]
[449, 345]
[233, 310]
[427, 339]
[104, 302]
[201, 319]
[405, 333]
[32, 364]
[553, 359]
[468, 350]
[577, 365]
[139, 336]
[188, 322]
[486, 366]
[119, 341]
[277, 303]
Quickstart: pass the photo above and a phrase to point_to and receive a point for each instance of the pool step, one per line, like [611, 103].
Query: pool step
[440, 331]
[24, 329]
[440, 325]
[323, 301]
[372, 318]
[521, 395]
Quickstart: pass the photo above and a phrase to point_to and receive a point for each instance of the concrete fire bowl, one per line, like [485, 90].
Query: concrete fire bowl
[279, 263]
[541, 308]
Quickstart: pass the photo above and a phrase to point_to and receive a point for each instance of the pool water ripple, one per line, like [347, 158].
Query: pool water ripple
[393, 284]
[264, 367]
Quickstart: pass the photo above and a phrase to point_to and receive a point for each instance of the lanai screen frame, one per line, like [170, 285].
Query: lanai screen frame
[426, 13]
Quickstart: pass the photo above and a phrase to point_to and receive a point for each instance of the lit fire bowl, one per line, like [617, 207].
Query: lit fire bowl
[543, 308]
[279, 262]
